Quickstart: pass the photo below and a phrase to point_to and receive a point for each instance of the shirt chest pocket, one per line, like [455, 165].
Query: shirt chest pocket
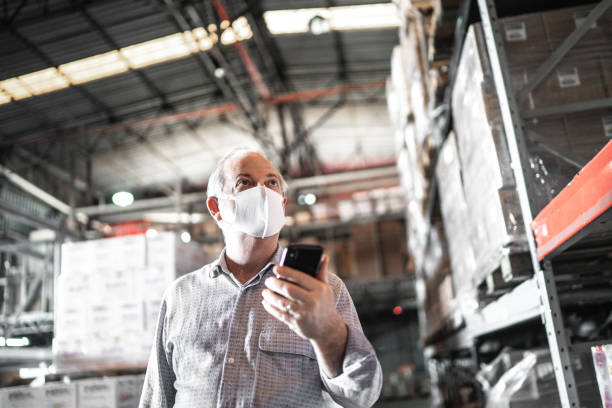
[286, 359]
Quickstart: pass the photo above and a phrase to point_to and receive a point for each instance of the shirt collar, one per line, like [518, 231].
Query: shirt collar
[219, 266]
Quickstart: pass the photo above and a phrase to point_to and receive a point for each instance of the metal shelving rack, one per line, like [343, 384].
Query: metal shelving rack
[538, 296]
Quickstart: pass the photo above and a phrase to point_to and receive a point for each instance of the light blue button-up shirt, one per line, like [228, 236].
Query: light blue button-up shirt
[216, 346]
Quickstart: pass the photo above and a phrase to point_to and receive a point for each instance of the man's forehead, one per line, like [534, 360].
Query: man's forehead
[249, 164]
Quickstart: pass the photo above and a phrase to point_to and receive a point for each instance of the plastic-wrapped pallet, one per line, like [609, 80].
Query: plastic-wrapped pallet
[495, 223]
[557, 145]
[602, 360]
[526, 379]
[455, 216]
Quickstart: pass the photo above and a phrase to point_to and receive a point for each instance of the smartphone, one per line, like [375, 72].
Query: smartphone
[305, 258]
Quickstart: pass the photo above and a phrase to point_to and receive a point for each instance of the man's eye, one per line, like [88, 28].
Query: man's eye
[273, 182]
[243, 182]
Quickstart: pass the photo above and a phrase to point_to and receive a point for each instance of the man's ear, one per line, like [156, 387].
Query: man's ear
[213, 208]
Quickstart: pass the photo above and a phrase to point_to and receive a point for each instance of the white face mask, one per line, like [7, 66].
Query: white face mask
[258, 212]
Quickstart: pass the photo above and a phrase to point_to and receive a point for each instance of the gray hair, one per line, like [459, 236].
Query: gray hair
[216, 180]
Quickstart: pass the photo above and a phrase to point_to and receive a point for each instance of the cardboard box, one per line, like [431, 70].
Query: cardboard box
[58, 395]
[98, 393]
[393, 247]
[128, 389]
[363, 250]
[22, 397]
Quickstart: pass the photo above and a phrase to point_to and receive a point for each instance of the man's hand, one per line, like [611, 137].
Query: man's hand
[308, 306]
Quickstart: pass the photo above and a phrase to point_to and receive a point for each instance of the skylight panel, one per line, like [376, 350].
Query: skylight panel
[96, 67]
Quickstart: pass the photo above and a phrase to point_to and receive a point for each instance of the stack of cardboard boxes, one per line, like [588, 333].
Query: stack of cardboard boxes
[410, 99]
[112, 392]
[109, 294]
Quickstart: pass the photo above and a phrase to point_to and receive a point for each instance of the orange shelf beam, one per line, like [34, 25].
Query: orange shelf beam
[584, 204]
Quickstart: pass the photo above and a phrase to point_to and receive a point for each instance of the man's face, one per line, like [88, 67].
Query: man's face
[242, 173]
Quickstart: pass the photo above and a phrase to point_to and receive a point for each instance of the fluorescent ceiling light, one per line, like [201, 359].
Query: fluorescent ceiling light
[174, 218]
[362, 17]
[123, 198]
[115, 62]
[14, 342]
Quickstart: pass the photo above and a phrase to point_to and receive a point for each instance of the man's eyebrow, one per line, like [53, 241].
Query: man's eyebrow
[273, 175]
[244, 175]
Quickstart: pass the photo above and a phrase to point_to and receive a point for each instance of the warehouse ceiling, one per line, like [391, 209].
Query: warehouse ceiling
[158, 119]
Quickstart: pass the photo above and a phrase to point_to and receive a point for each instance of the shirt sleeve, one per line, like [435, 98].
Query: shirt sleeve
[158, 390]
[360, 382]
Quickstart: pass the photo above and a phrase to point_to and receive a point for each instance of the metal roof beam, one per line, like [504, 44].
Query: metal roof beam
[8, 20]
[268, 47]
[208, 66]
[45, 15]
[110, 41]
[339, 48]
[88, 95]
[111, 115]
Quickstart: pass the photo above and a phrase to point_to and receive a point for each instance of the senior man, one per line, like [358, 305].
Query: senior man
[245, 332]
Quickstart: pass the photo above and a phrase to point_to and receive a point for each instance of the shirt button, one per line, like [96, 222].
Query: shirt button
[230, 360]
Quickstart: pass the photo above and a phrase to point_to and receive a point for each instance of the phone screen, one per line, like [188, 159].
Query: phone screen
[305, 258]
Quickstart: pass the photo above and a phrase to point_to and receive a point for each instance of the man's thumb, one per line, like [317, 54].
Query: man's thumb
[322, 274]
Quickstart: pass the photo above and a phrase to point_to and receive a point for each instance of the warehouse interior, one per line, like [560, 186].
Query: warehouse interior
[452, 158]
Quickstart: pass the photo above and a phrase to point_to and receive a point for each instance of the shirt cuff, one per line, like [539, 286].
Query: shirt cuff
[360, 381]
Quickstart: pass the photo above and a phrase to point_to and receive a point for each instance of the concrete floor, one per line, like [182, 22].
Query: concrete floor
[408, 403]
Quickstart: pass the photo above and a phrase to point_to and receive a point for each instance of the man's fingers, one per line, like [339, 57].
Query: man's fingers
[289, 290]
[277, 300]
[278, 313]
[292, 275]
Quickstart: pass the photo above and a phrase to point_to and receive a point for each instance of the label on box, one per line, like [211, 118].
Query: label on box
[580, 16]
[516, 31]
[568, 77]
[607, 125]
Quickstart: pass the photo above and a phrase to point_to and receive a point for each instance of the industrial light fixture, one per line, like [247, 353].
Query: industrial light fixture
[307, 199]
[359, 17]
[115, 62]
[228, 36]
[151, 233]
[319, 25]
[185, 237]
[310, 199]
[14, 342]
[123, 198]
[219, 72]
